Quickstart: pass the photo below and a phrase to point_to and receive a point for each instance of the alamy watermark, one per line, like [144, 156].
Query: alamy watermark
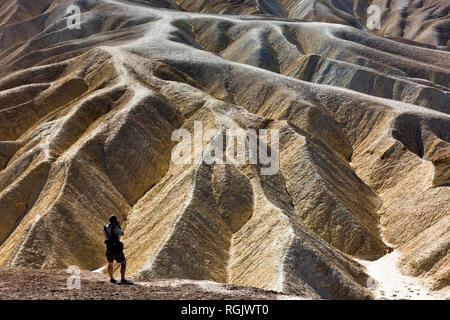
[231, 146]
[74, 280]
[374, 17]
[74, 20]
[371, 283]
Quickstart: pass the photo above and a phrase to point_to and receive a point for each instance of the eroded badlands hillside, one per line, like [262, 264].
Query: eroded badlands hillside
[87, 115]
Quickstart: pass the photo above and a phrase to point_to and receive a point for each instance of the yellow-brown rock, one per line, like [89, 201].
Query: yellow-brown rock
[87, 116]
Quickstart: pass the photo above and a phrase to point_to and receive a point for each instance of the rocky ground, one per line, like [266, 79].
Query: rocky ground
[26, 284]
[88, 113]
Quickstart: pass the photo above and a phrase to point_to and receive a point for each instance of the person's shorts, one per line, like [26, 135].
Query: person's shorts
[120, 257]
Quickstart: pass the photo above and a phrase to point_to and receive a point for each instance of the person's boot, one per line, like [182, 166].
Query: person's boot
[125, 281]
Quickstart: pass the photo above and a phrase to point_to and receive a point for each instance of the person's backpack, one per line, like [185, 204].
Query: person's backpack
[113, 244]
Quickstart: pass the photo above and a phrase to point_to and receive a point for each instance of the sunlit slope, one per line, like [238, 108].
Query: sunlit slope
[86, 117]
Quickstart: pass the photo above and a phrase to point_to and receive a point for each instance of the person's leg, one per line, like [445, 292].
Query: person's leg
[123, 268]
[110, 270]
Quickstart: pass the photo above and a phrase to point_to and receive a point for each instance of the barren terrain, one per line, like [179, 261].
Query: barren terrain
[25, 284]
[87, 116]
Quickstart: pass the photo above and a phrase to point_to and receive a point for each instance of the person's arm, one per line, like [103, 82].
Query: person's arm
[104, 232]
[119, 229]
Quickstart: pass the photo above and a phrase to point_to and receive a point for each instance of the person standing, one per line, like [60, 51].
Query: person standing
[114, 249]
